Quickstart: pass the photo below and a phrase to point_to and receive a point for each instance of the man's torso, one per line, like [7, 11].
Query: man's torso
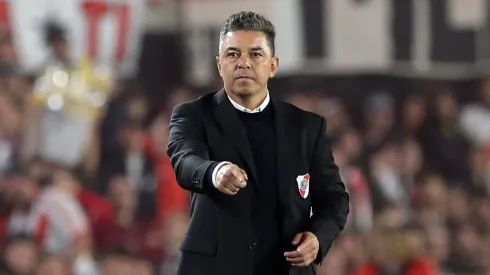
[224, 227]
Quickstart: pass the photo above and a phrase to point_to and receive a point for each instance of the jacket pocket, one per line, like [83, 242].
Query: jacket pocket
[199, 245]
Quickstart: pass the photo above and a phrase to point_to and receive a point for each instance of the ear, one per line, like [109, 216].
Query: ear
[274, 66]
[218, 64]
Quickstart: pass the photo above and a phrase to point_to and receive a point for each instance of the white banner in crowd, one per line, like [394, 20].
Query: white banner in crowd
[108, 30]
[447, 39]
[358, 35]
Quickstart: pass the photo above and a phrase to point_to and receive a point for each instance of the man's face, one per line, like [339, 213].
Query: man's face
[245, 62]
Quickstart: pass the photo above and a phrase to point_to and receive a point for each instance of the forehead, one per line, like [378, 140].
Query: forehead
[245, 39]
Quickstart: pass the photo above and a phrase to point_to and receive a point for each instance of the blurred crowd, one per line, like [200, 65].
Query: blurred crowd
[96, 194]
[85, 192]
[86, 195]
[418, 172]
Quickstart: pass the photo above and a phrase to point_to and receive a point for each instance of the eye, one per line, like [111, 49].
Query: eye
[256, 54]
[232, 54]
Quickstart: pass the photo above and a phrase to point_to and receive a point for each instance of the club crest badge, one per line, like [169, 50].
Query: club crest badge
[303, 185]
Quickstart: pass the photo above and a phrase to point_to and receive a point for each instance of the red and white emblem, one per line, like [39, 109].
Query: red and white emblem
[303, 185]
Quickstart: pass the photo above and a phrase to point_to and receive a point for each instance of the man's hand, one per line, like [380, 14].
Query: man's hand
[231, 178]
[307, 250]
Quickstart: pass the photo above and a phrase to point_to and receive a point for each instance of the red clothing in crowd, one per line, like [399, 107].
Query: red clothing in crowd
[174, 199]
[142, 237]
[417, 267]
[99, 212]
[171, 198]
[3, 225]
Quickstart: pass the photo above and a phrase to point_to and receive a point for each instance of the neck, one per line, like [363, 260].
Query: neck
[125, 216]
[250, 102]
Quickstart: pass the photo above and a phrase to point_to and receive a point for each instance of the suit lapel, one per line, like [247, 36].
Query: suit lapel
[227, 117]
[286, 142]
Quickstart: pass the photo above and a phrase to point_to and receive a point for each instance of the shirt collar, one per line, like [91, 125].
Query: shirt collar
[260, 108]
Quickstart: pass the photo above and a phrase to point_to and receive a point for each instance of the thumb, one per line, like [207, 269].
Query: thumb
[297, 238]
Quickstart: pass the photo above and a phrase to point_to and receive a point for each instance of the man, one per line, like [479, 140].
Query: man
[255, 167]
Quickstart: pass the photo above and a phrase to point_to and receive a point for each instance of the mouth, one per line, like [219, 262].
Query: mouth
[243, 77]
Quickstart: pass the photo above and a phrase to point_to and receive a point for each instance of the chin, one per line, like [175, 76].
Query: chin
[244, 91]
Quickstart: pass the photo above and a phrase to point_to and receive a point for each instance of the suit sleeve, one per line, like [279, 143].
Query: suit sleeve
[188, 150]
[330, 202]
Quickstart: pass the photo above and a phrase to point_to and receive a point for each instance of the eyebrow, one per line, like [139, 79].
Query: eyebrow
[232, 49]
[254, 49]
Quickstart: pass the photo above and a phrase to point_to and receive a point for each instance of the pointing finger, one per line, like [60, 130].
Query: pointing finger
[244, 174]
[237, 175]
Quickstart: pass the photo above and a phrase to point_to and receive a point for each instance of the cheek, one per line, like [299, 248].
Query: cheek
[264, 70]
[227, 70]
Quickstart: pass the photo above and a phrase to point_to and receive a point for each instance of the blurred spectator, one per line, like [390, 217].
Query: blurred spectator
[335, 113]
[379, 111]
[134, 162]
[170, 198]
[53, 265]
[438, 245]
[396, 253]
[465, 255]
[458, 207]
[413, 115]
[444, 145]
[179, 95]
[98, 209]
[475, 118]
[174, 234]
[21, 255]
[361, 209]
[51, 215]
[302, 101]
[117, 262]
[56, 40]
[8, 56]
[128, 229]
[386, 169]
[479, 165]
[141, 266]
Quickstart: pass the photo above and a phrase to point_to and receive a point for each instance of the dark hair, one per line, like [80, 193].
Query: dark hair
[53, 32]
[250, 21]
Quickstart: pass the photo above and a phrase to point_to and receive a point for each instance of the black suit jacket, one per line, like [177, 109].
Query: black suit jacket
[220, 239]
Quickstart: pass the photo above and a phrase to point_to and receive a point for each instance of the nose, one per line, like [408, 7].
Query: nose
[244, 62]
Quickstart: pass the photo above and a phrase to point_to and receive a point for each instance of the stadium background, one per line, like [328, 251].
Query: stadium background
[403, 86]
